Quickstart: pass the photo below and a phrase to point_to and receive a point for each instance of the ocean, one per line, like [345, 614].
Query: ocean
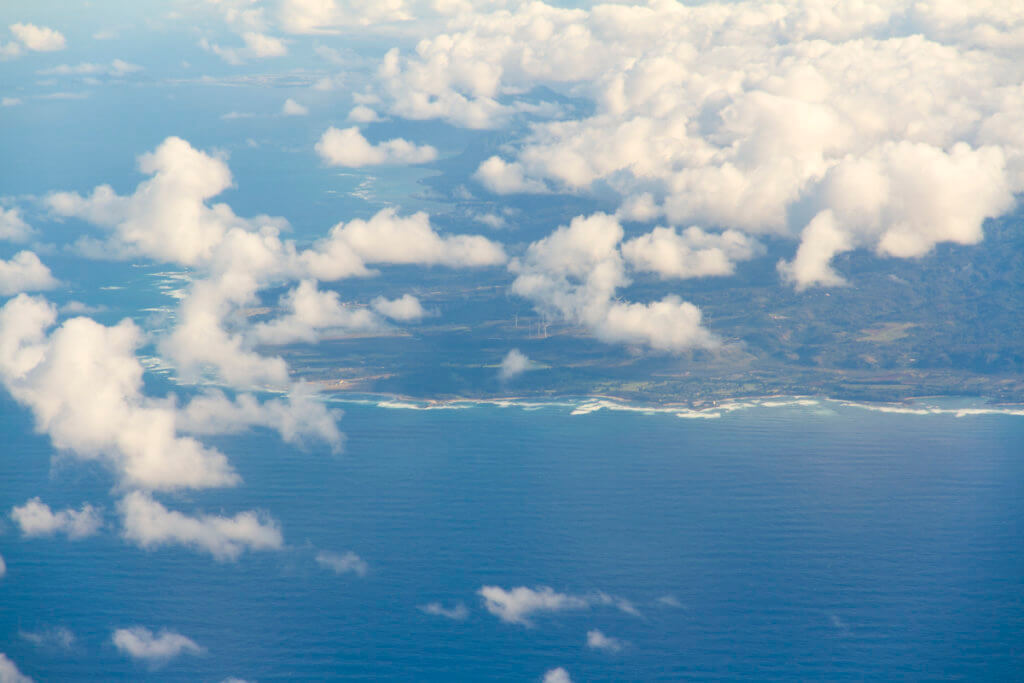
[791, 541]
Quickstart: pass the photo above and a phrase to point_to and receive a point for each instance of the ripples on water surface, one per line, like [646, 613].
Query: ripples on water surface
[796, 542]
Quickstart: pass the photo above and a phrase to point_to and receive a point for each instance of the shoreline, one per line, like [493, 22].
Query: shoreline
[582, 405]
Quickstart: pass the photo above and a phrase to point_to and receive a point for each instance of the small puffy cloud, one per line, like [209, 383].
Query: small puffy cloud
[256, 46]
[342, 563]
[309, 311]
[59, 637]
[149, 524]
[83, 383]
[9, 672]
[139, 642]
[12, 226]
[35, 518]
[302, 416]
[457, 613]
[390, 238]
[597, 640]
[348, 147]
[24, 273]
[573, 274]
[293, 108]
[10, 102]
[669, 601]
[3, 567]
[38, 38]
[558, 675]
[502, 177]
[514, 364]
[517, 605]
[692, 253]
[363, 114]
[406, 308]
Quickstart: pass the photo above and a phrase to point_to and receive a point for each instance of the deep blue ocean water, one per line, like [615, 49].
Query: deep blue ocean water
[802, 542]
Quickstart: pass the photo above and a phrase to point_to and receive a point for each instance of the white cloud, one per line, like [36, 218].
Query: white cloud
[293, 108]
[517, 605]
[9, 101]
[310, 311]
[168, 218]
[302, 416]
[24, 273]
[139, 642]
[842, 104]
[12, 226]
[9, 672]
[35, 518]
[348, 147]
[59, 637]
[83, 383]
[502, 177]
[149, 524]
[573, 274]
[514, 364]
[405, 308]
[328, 16]
[693, 253]
[457, 613]
[117, 67]
[342, 563]
[38, 38]
[3, 567]
[599, 641]
[363, 114]
[390, 238]
[256, 46]
[558, 675]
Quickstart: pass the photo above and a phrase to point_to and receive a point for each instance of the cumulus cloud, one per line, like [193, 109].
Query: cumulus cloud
[502, 177]
[692, 253]
[83, 383]
[363, 114]
[139, 642]
[12, 226]
[405, 308]
[3, 567]
[38, 38]
[390, 238]
[342, 563]
[457, 613]
[309, 312]
[300, 418]
[293, 108]
[35, 518]
[517, 605]
[514, 364]
[168, 218]
[558, 675]
[24, 272]
[9, 672]
[348, 147]
[573, 274]
[597, 640]
[796, 119]
[150, 525]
